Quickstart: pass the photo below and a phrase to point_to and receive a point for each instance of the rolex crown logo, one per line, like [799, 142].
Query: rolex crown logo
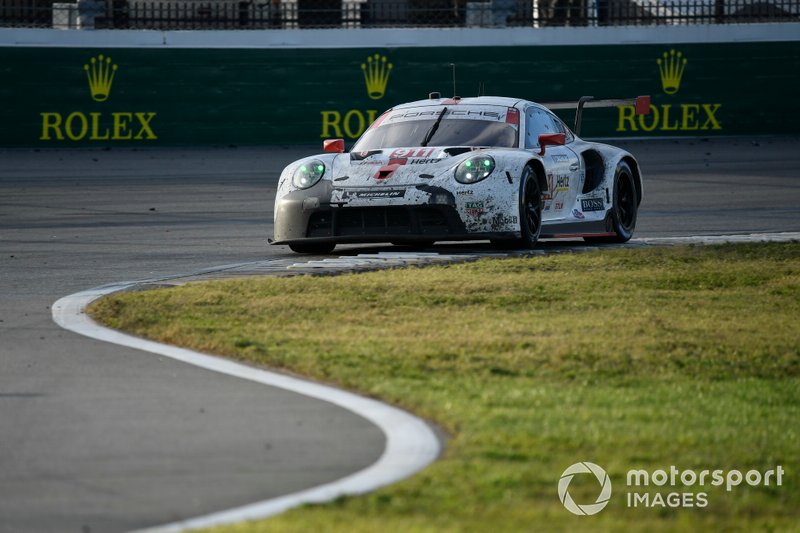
[671, 66]
[376, 75]
[100, 73]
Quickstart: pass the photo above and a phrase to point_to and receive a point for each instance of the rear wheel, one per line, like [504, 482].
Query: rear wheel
[530, 212]
[624, 208]
[312, 247]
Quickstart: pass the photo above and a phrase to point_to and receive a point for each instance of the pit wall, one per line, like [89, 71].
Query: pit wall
[144, 88]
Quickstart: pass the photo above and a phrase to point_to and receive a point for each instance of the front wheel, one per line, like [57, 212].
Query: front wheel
[624, 208]
[312, 247]
[530, 212]
[530, 208]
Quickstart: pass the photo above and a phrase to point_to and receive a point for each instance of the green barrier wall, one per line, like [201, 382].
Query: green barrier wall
[58, 97]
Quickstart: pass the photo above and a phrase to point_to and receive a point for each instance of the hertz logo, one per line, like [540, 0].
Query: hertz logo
[671, 66]
[376, 75]
[98, 125]
[101, 76]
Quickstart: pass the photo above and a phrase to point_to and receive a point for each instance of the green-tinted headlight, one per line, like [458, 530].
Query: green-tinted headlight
[308, 174]
[474, 169]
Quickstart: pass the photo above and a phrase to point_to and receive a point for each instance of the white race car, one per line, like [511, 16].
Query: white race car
[486, 168]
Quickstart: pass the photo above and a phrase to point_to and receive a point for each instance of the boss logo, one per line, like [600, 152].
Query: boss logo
[592, 204]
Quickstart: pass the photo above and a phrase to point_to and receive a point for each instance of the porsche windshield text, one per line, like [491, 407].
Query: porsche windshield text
[449, 113]
[453, 127]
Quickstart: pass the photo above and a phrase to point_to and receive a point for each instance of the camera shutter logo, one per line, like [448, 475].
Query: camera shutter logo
[586, 509]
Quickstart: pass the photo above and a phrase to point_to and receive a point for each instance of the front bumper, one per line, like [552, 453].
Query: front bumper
[390, 223]
[397, 213]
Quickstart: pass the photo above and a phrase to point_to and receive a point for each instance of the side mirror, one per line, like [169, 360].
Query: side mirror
[552, 139]
[333, 146]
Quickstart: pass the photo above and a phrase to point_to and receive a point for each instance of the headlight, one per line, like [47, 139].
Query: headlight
[474, 169]
[308, 174]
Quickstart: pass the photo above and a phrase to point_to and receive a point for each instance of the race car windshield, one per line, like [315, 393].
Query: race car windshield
[451, 132]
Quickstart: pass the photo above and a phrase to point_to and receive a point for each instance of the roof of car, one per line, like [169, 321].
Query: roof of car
[479, 100]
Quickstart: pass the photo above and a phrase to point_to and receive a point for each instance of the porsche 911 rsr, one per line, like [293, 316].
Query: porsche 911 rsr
[485, 168]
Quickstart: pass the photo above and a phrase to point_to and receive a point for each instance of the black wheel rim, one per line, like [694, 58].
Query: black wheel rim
[626, 201]
[533, 207]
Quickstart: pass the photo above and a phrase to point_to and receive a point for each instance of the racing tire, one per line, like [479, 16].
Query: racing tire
[624, 209]
[312, 247]
[530, 213]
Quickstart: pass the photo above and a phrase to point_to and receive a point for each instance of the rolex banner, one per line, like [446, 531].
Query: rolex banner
[63, 97]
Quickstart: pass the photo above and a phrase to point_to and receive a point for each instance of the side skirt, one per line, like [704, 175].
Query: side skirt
[563, 230]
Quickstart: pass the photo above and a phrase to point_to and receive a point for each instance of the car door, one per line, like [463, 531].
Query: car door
[562, 165]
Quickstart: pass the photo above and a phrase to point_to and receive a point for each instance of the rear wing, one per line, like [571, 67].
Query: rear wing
[641, 104]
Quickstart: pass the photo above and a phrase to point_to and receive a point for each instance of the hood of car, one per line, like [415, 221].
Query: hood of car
[397, 166]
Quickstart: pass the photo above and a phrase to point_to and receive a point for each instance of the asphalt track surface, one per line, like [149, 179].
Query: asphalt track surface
[96, 437]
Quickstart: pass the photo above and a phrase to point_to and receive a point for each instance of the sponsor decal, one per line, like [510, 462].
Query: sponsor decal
[376, 75]
[450, 113]
[592, 204]
[423, 161]
[558, 206]
[671, 116]
[351, 123]
[474, 209]
[671, 67]
[100, 76]
[577, 214]
[360, 156]
[394, 193]
[465, 193]
[101, 125]
[692, 488]
[512, 117]
[559, 158]
[555, 185]
[463, 113]
[348, 124]
[411, 152]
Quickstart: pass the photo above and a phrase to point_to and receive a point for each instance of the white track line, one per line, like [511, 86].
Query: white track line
[411, 445]
[786, 236]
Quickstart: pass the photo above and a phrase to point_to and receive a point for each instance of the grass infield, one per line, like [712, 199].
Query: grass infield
[628, 358]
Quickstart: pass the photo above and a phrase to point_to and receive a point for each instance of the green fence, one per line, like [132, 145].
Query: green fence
[60, 97]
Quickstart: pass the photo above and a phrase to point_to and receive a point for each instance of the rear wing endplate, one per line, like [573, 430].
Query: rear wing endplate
[641, 104]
